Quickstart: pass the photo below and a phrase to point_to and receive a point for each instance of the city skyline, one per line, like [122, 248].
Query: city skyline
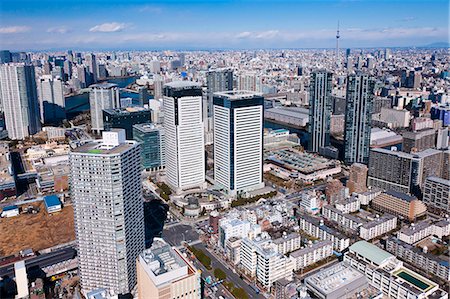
[137, 25]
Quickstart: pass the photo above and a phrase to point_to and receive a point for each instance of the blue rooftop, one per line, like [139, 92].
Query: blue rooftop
[401, 195]
[9, 208]
[51, 200]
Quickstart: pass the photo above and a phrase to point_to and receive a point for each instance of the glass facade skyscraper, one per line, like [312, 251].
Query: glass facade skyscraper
[358, 116]
[320, 107]
[151, 138]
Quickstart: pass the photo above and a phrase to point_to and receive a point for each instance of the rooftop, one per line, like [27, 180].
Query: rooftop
[400, 195]
[330, 279]
[182, 85]
[51, 200]
[371, 252]
[439, 180]
[414, 228]
[103, 85]
[235, 95]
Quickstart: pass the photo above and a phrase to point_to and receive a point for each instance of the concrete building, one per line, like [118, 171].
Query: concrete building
[163, 272]
[104, 174]
[378, 227]
[294, 116]
[339, 281]
[320, 107]
[421, 123]
[357, 181]
[20, 272]
[51, 99]
[358, 116]
[250, 81]
[20, 104]
[238, 141]
[7, 181]
[102, 96]
[316, 228]
[288, 243]
[217, 80]
[428, 262]
[415, 232]
[399, 204]
[233, 250]
[232, 228]
[394, 118]
[184, 136]
[403, 172]
[311, 254]
[386, 273]
[436, 193]
[151, 137]
[260, 259]
[419, 141]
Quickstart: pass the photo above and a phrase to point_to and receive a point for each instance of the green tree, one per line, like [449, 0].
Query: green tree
[219, 274]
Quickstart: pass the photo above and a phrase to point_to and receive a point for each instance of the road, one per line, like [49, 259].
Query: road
[175, 235]
[231, 276]
[42, 261]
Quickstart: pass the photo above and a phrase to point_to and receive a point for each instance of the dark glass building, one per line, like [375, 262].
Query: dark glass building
[358, 116]
[125, 118]
[151, 137]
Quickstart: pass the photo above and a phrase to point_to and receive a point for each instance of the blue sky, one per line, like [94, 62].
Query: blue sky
[226, 24]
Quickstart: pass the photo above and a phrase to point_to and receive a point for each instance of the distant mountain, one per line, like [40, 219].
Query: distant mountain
[437, 45]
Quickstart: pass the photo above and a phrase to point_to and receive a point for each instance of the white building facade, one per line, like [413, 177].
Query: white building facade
[184, 136]
[102, 96]
[238, 141]
[109, 217]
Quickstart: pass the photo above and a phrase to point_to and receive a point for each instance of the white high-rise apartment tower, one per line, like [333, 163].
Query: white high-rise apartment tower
[106, 190]
[238, 141]
[19, 100]
[102, 96]
[184, 135]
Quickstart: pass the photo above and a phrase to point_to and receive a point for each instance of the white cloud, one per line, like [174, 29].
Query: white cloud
[109, 27]
[244, 34]
[61, 30]
[14, 29]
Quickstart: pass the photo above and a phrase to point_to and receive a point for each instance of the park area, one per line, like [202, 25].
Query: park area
[36, 231]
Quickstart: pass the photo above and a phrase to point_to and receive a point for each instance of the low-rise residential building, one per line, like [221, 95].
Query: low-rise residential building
[260, 259]
[288, 243]
[7, 182]
[232, 228]
[399, 204]
[386, 273]
[379, 226]
[233, 250]
[316, 228]
[348, 205]
[312, 254]
[419, 258]
[415, 232]
[346, 220]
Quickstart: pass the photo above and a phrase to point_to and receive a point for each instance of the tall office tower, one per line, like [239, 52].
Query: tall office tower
[47, 68]
[182, 58]
[387, 53]
[320, 107]
[217, 80]
[158, 83]
[5, 56]
[238, 141]
[82, 76]
[184, 135]
[102, 96]
[19, 100]
[163, 272]
[68, 69]
[51, 99]
[106, 191]
[358, 116]
[357, 181]
[155, 66]
[91, 64]
[151, 137]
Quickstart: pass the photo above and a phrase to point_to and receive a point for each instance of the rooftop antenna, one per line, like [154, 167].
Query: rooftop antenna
[337, 44]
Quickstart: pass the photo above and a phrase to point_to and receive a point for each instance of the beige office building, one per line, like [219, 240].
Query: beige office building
[164, 273]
